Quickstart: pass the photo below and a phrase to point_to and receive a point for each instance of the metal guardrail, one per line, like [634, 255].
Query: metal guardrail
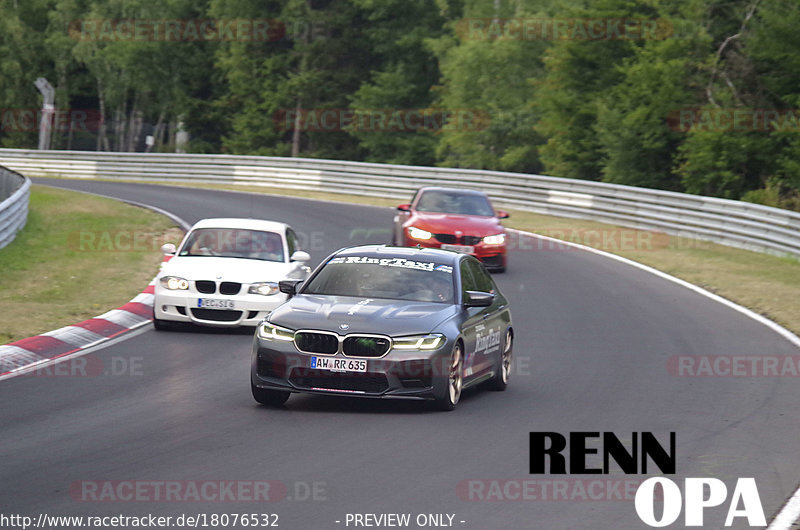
[14, 195]
[728, 222]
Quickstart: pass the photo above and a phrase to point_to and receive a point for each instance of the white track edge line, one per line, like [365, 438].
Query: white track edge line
[774, 326]
[788, 515]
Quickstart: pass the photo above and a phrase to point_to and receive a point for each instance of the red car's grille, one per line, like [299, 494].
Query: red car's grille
[450, 239]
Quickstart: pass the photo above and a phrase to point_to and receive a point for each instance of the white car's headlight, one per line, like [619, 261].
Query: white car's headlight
[269, 331]
[418, 342]
[263, 288]
[174, 283]
[419, 233]
[496, 239]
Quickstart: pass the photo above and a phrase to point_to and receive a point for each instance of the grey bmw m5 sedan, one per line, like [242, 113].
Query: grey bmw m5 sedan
[386, 322]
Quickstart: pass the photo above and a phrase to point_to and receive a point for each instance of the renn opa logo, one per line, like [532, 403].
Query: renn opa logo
[698, 494]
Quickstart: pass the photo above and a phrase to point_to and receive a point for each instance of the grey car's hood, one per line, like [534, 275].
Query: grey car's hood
[361, 315]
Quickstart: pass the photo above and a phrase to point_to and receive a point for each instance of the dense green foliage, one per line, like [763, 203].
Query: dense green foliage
[695, 95]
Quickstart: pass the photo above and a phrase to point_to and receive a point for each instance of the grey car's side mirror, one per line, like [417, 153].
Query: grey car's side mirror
[289, 286]
[478, 299]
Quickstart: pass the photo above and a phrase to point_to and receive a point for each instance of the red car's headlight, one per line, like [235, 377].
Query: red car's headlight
[496, 239]
[418, 233]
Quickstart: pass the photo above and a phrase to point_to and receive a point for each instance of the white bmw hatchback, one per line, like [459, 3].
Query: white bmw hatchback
[226, 271]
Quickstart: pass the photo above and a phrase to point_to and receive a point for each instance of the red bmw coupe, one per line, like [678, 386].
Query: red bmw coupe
[453, 219]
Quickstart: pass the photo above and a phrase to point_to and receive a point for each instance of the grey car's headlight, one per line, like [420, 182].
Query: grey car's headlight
[174, 283]
[269, 331]
[418, 342]
[264, 288]
[419, 233]
[496, 239]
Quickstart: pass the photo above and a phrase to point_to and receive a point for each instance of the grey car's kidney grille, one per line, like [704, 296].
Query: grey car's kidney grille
[311, 342]
[365, 346]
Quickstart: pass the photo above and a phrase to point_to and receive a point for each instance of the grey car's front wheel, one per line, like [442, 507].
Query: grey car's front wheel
[454, 381]
[266, 396]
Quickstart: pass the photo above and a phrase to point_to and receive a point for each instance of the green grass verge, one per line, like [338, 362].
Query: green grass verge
[768, 285]
[78, 256]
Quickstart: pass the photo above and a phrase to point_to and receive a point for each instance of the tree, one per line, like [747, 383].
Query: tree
[487, 78]
[23, 58]
[638, 122]
[397, 31]
[580, 71]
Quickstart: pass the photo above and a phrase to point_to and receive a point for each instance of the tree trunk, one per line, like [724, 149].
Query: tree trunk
[134, 125]
[102, 139]
[296, 129]
[157, 133]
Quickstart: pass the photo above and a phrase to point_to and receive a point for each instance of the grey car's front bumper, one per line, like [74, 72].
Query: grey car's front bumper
[406, 374]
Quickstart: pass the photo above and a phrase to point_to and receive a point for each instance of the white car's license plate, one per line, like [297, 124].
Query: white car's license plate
[463, 249]
[214, 303]
[338, 364]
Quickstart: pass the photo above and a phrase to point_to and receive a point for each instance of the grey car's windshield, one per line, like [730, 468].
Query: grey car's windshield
[454, 202]
[234, 243]
[393, 278]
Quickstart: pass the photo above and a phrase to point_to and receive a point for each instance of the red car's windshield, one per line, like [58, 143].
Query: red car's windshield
[454, 202]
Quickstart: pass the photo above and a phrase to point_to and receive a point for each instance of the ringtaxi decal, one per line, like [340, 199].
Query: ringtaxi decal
[697, 494]
[392, 262]
[487, 342]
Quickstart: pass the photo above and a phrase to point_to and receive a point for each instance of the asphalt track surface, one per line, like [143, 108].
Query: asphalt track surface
[593, 338]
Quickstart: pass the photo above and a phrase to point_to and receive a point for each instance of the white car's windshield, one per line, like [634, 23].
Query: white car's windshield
[234, 243]
[394, 278]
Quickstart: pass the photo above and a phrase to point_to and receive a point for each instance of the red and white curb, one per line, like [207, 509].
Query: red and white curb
[26, 354]
[23, 354]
